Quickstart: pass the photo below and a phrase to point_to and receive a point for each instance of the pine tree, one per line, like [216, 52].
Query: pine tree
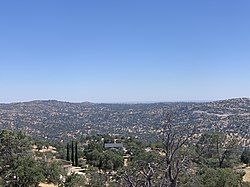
[72, 153]
[76, 155]
[68, 154]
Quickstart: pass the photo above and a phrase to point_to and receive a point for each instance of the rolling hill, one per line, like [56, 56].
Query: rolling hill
[55, 120]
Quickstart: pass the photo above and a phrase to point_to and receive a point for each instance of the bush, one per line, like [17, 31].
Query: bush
[245, 157]
[74, 180]
[210, 177]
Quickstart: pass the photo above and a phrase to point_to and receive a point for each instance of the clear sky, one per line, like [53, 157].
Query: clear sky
[124, 50]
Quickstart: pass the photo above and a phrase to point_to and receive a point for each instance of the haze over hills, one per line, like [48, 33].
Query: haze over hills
[57, 120]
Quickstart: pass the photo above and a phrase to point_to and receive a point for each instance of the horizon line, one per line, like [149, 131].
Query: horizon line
[129, 102]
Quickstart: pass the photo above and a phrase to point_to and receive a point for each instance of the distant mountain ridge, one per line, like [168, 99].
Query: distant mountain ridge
[51, 119]
[135, 102]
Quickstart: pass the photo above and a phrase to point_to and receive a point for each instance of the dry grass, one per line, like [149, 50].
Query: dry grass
[47, 185]
[246, 178]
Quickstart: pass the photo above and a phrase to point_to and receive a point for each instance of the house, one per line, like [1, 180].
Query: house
[113, 145]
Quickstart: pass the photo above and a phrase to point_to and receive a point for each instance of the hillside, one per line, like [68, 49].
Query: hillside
[62, 120]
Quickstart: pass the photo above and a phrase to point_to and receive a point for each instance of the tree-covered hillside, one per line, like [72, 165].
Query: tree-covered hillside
[63, 120]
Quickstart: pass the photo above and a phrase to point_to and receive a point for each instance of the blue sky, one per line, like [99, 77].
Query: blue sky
[124, 51]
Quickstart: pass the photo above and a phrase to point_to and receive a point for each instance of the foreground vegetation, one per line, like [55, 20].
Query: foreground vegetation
[180, 157]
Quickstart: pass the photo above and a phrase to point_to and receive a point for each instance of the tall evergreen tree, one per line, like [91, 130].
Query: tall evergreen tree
[68, 154]
[72, 153]
[76, 155]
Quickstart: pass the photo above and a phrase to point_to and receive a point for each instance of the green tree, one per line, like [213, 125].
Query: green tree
[25, 171]
[134, 146]
[1, 182]
[52, 172]
[97, 156]
[74, 180]
[97, 179]
[76, 155]
[111, 160]
[217, 150]
[68, 154]
[16, 159]
[72, 153]
[226, 177]
[245, 156]
[12, 146]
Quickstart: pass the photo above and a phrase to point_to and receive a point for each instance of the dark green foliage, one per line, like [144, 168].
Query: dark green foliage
[220, 177]
[217, 150]
[52, 172]
[146, 157]
[157, 145]
[76, 155]
[111, 160]
[97, 179]
[72, 153]
[74, 180]
[97, 156]
[68, 154]
[211, 177]
[13, 145]
[134, 146]
[25, 171]
[16, 160]
[107, 160]
[245, 156]
[108, 138]
[61, 152]
[18, 166]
